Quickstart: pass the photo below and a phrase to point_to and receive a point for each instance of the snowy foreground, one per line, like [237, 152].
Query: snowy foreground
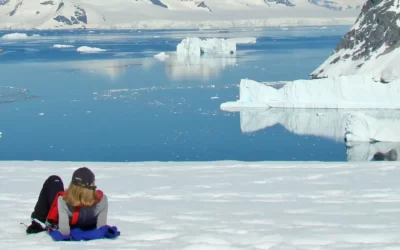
[222, 205]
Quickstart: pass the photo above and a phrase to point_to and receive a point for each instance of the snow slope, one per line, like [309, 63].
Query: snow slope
[124, 14]
[221, 205]
[371, 45]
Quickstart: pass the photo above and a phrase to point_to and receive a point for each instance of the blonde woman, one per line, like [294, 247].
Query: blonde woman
[81, 206]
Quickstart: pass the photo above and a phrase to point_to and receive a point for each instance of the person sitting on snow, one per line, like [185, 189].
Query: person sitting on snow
[80, 206]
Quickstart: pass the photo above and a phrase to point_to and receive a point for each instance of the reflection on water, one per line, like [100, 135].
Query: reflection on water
[328, 123]
[379, 151]
[184, 67]
[10, 94]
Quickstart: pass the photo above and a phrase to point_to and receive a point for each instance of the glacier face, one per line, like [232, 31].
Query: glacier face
[67, 14]
[371, 45]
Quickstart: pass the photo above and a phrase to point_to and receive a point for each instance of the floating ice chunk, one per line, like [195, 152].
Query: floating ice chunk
[361, 127]
[61, 46]
[161, 56]
[86, 49]
[356, 91]
[243, 40]
[1, 51]
[15, 36]
[194, 46]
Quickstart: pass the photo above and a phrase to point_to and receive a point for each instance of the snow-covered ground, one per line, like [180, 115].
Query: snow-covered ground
[222, 205]
[165, 14]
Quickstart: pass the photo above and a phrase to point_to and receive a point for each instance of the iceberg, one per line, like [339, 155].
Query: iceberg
[161, 56]
[15, 36]
[86, 49]
[348, 92]
[195, 46]
[61, 46]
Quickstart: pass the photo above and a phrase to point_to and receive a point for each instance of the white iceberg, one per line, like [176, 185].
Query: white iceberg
[356, 91]
[86, 49]
[361, 127]
[62, 46]
[161, 56]
[195, 46]
[15, 36]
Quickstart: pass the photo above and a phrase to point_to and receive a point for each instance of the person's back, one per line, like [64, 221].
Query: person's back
[80, 206]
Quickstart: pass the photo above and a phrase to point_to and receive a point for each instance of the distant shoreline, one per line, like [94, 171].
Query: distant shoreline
[201, 25]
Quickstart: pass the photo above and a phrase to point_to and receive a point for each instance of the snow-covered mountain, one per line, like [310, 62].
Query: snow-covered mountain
[66, 14]
[371, 47]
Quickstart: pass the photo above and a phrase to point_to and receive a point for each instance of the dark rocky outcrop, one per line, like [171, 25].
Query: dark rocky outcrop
[375, 33]
[12, 13]
[285, 2]
[47, 3]
[63, 19]
[202, 4]
[159, 3]
[4, 2]
[376, 26]
[80, 14]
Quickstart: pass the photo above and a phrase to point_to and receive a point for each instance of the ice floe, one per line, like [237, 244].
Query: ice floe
[86, 49]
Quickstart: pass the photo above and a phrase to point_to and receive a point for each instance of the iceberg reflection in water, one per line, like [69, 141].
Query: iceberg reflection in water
[186, 67]
[327, 123]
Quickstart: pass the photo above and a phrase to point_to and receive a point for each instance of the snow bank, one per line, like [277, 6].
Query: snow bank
[161, 56]
[15, 36]
[61, 46]
[195, 46]
[86, 49]
[361, 127]
[221, 205]
[355, 91]
[243, 40]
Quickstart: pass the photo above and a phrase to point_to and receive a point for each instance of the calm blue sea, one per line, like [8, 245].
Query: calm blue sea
[125, 105]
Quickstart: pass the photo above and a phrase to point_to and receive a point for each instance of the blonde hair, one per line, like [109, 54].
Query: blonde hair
[80, 196]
